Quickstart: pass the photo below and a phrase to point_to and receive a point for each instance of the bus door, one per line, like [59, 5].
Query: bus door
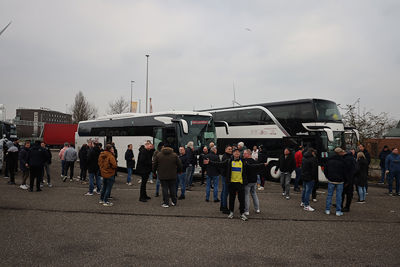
[167, 135]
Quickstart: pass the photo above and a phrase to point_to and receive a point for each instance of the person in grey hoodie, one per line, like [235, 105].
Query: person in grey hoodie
[12, 160]
[70, 156]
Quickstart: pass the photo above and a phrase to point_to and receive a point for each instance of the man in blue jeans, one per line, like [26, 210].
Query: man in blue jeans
[382, 157]
[224, 192]
[309, 171]
[93, 168]
[393, 170]
[108, 166]
[212, 174]
[335, 173]
[181, 179]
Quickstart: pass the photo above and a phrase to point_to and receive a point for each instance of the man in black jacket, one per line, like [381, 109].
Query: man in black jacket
[361, 148]
[236, 175]
[286, 165]
[251, 186]
[348, 187]
[262, 158]
[182, 176]
[143, 168]
[224, 192]
[382, 157]
[335, 173]
[36, 159]
[212, 174]
[202, 157]
[93, 168]
[83, 158]
[23, 164]
[130, 163]
[11, 160]
[309, 170]
[46, 165]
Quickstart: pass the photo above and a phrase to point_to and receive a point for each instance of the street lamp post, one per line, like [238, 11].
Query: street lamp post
[147, 82]
[130, 104]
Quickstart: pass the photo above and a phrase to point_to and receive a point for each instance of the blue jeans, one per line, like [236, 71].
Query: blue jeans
[208, 186]
[307, 189]
[129, 178]
[91, 182]
[189, 175]
[62, 167]
[362, 192]
[390, 178]
[181, 180]
[158, 183]
[383, 172]
[298, 177]
[339, 190]
[224, 193]
[150, 177]
[106, 190]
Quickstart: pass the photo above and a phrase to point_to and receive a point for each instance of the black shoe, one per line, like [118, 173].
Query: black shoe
[334, 205]
[30, 190]
[226, 211]
[207, 200]
[181, 197]
[157, 195]
[10, 183]
[142, 200]
[147, 197]
[346, 209]
[216, 200]
[110, 197]
[38, 190]
[296, 189]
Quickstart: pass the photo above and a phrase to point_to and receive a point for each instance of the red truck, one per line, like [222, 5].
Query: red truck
[57, 134]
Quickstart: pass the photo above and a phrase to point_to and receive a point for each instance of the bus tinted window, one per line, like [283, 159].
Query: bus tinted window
[301, 112]
[327, 111]
[244, 117]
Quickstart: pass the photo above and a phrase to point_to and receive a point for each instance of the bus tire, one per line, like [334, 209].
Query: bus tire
[271, 167]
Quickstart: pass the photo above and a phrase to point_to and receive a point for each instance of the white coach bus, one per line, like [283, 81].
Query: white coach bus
[313, 123]
[173, 127]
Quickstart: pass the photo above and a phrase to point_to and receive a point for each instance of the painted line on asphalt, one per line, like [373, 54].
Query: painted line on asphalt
[194, 216]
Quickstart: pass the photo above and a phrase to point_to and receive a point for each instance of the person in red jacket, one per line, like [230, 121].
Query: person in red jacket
[298, 156]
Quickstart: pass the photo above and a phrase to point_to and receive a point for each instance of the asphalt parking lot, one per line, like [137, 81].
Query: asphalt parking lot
[61, 227]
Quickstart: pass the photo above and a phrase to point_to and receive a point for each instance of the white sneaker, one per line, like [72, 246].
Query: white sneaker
[129, 183]
[261, 188]
[308, 208]
[173, 204]
[151, 181]
[327, 212]
[287, 197]
[139, 181]
[108, 204]
[243, 217]
[89, 194]
[314, 200]
[258, 211]
[230, 216]
[301, 204]
[246, 213]
[101, 202]
[164, 205]
[283, 194]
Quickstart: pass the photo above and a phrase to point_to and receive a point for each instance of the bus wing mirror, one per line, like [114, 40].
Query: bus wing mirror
[329, 133]
[223, 124]
[357, 134]
[183, 123]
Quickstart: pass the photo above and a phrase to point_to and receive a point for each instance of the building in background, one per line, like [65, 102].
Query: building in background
[30, 122]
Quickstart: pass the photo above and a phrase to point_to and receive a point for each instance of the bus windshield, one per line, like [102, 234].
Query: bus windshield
[327, 111]
[201, 131]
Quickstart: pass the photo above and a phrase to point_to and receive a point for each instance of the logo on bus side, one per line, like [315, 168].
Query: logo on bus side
[264, 131]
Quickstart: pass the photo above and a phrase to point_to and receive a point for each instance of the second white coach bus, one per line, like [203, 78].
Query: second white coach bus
[313, 123]
[172, 127]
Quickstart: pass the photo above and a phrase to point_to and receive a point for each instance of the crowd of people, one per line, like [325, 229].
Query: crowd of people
[239, 171]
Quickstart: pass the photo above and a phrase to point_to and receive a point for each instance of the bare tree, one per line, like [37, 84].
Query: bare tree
[118, 106]
[81, 109]
[369, 125]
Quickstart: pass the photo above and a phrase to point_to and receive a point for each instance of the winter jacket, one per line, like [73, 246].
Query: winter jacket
[12, 154]
[184, 161]
[37, 156]
[367, 156]
[93, 159]
[309, 167]
[350, 170]
[211, 169]
[23, 158]
[393, 163]
[225, 157]
[298, 156]
[287, 163]
[335, 169]
[70, 154]
[144, 163]
[48, 155]
[107, 164]
[382, 157]
[130, 159]
[83, 155]
[201, 160]
[167, 164]
[62, 151]
[191, 156]
[361, 175]
[251, 172]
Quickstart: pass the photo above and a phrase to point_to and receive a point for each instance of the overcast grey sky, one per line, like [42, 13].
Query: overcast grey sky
[270, 50]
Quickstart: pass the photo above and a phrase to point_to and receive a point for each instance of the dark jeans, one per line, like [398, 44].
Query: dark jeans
[297, 181]
[233, 189]
[106, 190]
[11, 169]
[83, 171]
[315, 188]
[25, 175]
[168, 185]
[35, 174]
[262, 180]
[347, 194]
[307, 188]
[393, 176]
[69, 165]
[203, 174]
[143, 193]
[224, 193]
[47, 169]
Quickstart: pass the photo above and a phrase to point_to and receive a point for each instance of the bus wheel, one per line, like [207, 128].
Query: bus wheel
[271, 168]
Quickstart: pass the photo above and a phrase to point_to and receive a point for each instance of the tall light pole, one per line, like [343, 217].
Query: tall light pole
[130, 104]
[147, 82]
